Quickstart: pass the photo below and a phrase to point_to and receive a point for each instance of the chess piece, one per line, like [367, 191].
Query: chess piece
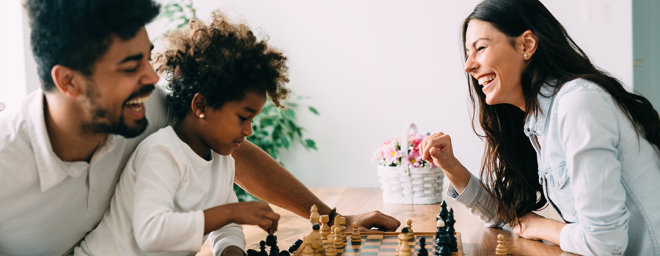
[339, 228]
[331, 250]
[314, 215]
[404, 238]
[284, 253]
[262, 248]
[409, 225]
[398, 247]
[325, 229]
[274, 251]
[440, 224]
[317, 240]
[453, 246]
[339, 243]
[422, 247]
[308, 251]
[355, 236]
[441, 237]
[294, 247]
[501, 248]
[443, 210]
[252, 252]
[443, 251]
[271, 240]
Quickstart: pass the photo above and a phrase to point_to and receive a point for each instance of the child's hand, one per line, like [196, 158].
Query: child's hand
[233, 250]
[255, 213]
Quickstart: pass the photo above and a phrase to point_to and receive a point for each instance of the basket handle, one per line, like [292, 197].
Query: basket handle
[404, 145]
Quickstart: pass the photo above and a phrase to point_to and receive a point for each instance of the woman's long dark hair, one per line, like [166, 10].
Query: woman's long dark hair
[509, 163]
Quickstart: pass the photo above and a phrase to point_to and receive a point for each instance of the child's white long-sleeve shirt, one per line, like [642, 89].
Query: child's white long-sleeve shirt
[157, 208]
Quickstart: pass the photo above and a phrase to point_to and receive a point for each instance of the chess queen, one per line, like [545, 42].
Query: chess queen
[558, 127]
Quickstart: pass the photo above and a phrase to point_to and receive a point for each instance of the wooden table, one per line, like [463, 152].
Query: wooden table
[477, 238]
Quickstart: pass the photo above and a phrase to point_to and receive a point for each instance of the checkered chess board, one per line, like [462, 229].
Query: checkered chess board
[385, 243]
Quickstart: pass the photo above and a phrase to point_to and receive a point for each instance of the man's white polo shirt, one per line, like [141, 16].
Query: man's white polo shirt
[47, 205]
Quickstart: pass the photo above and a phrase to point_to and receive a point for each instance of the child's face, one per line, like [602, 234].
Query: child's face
[228, 126]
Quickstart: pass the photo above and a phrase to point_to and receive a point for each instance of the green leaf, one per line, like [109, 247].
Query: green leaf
[314, 110]
[285, 142]
[311, 144]
[290, 113]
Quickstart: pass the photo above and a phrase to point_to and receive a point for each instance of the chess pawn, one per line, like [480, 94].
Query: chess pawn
[262, 248]
[325, 229]
[409, 225]
[342, 223]
[422, 247]
[501, 248]
[331, 250]
[355, 236]
[317, 241]
[404, 249]
[314, 215]
[308, 250]
[339, 243]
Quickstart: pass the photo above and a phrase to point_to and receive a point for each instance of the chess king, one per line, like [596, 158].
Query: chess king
[63, 150]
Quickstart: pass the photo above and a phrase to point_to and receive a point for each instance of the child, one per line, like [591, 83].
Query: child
[177, 186]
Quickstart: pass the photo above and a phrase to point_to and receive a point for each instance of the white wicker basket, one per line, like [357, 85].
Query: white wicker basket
[404, 185]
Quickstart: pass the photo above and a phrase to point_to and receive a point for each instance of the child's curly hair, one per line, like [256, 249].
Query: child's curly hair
[222, 61]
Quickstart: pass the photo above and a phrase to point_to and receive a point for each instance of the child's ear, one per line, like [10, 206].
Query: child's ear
[198, 105]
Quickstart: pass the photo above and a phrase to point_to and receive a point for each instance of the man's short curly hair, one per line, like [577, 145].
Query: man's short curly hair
[76, 33]
[221, 60]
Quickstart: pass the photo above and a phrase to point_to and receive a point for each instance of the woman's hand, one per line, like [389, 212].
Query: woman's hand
[535, 227]
[437, 149]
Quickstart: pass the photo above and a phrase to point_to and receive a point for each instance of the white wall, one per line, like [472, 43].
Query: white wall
[12, 61]
[372, 66]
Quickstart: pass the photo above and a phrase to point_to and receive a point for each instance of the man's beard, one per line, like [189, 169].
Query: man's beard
[120, 127]
[101, 123]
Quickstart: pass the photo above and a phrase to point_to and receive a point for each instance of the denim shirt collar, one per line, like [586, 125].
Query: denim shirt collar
[536, 122]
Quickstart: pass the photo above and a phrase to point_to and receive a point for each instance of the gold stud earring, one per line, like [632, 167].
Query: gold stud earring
[201, 115]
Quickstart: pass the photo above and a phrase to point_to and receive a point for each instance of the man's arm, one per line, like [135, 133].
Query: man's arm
[265, 178]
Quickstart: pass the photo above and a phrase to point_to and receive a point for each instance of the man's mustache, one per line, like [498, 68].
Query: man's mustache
[144, 90]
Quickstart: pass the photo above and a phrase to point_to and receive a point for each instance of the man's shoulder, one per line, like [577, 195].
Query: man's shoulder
[14, 127]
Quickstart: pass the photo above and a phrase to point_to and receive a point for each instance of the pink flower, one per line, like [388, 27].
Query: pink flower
[391, 154]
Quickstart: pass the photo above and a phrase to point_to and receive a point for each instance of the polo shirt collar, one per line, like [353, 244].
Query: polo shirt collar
[50, 168]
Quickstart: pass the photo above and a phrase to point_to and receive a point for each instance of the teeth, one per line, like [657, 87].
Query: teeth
[486, 79]
[138, 108]
[138, 100]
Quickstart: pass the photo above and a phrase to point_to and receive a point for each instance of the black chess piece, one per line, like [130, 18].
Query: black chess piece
[294, 247]
[453, 246]
[274, 251]
[284, 253]
[443, 251]
[262, 247]
[271, 240]
[443, 210]
[252, 252]
[422, 245]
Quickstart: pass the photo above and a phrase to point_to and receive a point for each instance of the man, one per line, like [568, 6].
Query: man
[63, 151]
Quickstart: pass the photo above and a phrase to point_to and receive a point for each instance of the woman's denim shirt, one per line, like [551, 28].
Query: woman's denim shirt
[596, 172]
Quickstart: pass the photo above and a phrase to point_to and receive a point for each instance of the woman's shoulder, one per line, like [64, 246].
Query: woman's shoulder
[580, 93]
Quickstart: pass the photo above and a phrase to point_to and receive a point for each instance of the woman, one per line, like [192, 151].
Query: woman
[557, 130]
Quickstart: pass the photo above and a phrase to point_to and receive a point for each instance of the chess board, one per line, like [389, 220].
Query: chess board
[384, 244]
